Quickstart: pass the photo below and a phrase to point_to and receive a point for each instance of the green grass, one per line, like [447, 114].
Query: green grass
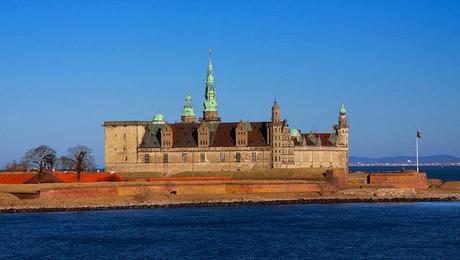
[140, 175]
[435, 183]
[451, 185]
[266, 174]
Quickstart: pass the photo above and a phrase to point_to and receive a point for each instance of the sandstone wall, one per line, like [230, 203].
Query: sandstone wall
[318, 157]
[190, 159]
[121, 143]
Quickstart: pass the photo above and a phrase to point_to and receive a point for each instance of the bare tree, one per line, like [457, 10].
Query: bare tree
[40, 157]
[50, 161]
[66, 163]
[15, 166]
[82, 159]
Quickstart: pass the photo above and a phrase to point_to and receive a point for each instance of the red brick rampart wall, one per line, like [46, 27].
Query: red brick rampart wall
[407, 179]
[337, 178]
[234, 187]
[80, 192]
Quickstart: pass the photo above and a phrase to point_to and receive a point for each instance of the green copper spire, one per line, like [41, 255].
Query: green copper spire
[210, 101]
[188, 108]
[342, 109]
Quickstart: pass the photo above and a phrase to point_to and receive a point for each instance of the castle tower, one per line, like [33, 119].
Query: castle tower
[281, 143]
[276, 136]
[210, 101]
[188, 114]
[341, 129]
[275, 113]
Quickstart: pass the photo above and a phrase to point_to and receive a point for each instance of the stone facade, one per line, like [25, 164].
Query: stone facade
[211, 145]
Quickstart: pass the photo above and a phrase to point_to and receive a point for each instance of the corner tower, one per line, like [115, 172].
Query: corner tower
[188, 114]
[210, 101]
[341, 129]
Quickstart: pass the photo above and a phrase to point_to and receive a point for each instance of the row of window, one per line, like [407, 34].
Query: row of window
[222, 157]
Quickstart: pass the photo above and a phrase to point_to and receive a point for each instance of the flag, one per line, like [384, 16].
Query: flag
[419, 134]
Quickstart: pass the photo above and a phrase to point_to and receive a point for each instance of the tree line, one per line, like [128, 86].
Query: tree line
[78, 158]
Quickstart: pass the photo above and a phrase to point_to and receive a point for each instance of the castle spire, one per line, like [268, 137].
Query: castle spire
[188, 114]
[210, 100]
[342, 109]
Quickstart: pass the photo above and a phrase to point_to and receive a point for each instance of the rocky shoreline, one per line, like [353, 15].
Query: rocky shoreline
[32, 209]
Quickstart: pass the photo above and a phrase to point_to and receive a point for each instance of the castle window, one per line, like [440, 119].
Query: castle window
[184, 157]
[202, 157]
[253, 157]
[222, 157]
[165, 158]
[238, 157]
[146, 158]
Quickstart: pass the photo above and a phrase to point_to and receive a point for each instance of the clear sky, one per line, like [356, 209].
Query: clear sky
[67, 66]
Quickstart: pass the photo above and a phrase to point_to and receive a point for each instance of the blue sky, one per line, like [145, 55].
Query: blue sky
[66, 66]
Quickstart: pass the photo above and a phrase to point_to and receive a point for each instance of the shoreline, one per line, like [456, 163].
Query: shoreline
[43, 209]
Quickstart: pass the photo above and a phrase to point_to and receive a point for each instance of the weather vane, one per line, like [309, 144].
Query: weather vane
[209, 52]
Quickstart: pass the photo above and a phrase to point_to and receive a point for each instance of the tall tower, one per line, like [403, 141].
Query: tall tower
[281, 143]
[275, 113]
[341, 129]
[276, 136]
[188, 114]
[210, 102]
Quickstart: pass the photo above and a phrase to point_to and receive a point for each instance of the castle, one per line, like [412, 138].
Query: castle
[207, 144]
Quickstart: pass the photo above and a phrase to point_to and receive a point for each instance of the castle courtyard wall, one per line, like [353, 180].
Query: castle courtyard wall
[320, 157]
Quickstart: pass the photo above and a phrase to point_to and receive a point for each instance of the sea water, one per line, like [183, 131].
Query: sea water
[334, 231]
[444, 173]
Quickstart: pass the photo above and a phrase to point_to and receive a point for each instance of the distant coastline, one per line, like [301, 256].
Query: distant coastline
[406, 161]
[435, 164]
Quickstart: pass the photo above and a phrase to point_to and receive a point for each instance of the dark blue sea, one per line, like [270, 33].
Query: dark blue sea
[302, 231]
[444, 173]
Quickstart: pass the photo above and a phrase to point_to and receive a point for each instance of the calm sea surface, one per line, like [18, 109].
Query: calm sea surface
[408, 231]
[446, 173]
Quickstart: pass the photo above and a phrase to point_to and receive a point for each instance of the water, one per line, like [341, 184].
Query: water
[410, 231]
[444, 173]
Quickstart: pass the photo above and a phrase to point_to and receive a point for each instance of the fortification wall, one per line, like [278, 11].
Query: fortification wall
[406, 179]
[231, 187]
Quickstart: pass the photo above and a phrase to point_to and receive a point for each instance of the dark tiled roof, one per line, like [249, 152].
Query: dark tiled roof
[311, 139]
[221, 134]
[185, 135]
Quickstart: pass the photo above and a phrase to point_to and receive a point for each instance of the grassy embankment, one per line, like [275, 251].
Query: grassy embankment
[266, 174]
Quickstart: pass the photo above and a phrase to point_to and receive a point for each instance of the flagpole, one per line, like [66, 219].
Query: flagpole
[416, 150]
